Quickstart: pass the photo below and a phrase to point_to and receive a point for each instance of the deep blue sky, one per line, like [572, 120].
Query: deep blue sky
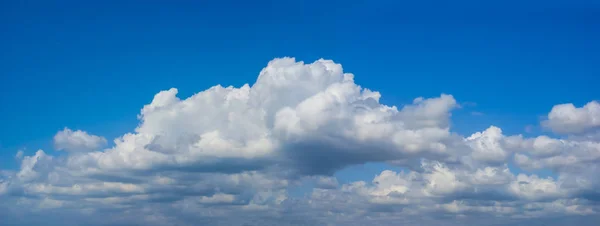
[92, 66]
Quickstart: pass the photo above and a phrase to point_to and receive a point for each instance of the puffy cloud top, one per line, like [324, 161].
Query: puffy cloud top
[566, 118]
[77, 141]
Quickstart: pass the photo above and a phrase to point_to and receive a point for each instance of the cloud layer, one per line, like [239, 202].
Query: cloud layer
[231, 155]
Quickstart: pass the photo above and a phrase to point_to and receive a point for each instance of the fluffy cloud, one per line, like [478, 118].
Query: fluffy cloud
[486, 146]
[566, 118]
[231, 155]
[310, 116]
[77, 141]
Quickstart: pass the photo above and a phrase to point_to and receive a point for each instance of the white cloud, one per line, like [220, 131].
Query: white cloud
[533, 187]
[492, 176]
[77, 141]
[228, 156]
[556, 154]
[327, 182]
[311, 115]
[487, 147]
[465, 193]
[32, 167]
[19, 154]
[568, 119]
[217, 198]
[440, 181]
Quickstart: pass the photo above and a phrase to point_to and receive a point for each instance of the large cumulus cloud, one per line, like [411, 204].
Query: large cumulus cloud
[229, 155]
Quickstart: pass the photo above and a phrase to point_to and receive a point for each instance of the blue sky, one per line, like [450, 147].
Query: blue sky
[93, 65]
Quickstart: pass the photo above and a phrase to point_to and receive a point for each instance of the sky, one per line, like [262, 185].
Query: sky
[354, 112]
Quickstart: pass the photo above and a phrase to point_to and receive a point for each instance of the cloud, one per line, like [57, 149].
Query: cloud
[327, 182]
[20, 154]
[454, 196]
[32, 167]
[568, 119]
[229, 155]
[486, 146]
[310, 116]
[77, 141]
[477, 113]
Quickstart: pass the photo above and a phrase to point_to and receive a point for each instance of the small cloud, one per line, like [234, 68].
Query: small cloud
[570, 119]
[77, 141]
[19, 154]
[476, 113]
